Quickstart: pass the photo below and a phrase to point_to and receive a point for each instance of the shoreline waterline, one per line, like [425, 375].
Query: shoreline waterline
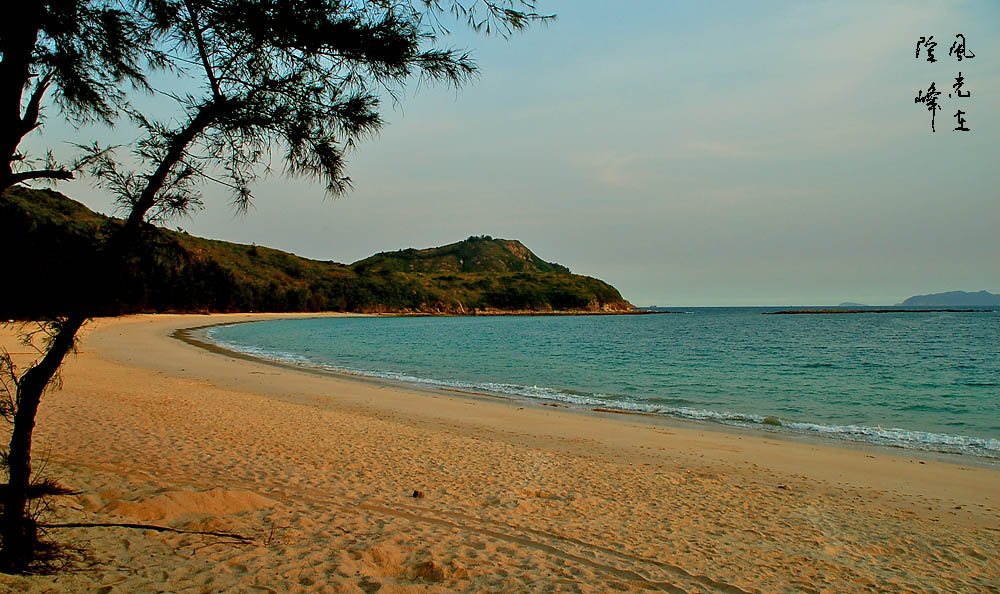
[321, 470]
[863, 438]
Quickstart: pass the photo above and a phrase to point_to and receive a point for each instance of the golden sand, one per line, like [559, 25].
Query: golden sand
[321, 471]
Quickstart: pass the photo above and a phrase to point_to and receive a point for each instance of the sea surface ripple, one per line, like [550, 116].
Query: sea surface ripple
[927, 381]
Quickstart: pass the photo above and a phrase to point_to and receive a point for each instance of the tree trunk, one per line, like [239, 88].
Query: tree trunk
[16, 527]
[17, 42]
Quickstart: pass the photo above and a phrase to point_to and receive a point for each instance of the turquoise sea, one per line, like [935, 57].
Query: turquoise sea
[928, 381]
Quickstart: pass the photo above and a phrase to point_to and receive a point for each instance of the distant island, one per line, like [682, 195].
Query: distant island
[871, 310]
[948, 299]
[954, 298]
[55, 243]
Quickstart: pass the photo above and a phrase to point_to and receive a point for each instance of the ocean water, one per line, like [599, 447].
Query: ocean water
[928, 381]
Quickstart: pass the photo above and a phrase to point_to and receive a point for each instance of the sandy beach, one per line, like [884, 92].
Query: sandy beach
[320, 472]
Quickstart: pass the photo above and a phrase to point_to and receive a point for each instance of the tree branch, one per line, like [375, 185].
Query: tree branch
[216, 92]
[30, 119]
[21, 176]
[175, 152]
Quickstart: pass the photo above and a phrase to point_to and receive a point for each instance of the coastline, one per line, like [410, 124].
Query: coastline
[321, 471]
[956, 448]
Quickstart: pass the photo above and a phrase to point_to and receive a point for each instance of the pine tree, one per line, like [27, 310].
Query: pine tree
[303, 79]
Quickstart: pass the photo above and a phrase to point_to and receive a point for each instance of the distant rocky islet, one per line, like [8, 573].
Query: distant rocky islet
[946, 299]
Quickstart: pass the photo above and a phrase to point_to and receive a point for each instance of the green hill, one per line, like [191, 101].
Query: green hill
[481, 254]
[55, 246]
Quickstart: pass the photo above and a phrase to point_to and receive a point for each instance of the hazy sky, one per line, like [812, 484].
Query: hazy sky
[696, 153]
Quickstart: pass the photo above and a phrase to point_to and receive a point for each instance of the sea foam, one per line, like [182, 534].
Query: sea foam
[906, 380]
[885, 436]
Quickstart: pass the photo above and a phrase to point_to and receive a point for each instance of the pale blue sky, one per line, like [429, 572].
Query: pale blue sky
[697, 153]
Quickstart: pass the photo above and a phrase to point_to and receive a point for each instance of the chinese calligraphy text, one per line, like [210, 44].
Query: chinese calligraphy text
[931, 97]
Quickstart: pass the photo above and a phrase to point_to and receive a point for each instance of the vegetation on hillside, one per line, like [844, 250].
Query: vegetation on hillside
[57, 241]
[479, 253]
